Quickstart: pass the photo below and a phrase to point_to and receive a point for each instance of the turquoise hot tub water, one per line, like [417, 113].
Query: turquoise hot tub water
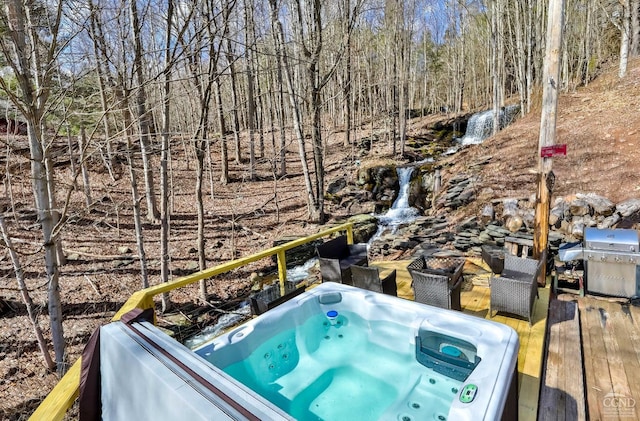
[341, 353]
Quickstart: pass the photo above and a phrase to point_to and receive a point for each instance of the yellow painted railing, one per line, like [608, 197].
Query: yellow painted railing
[59, 400]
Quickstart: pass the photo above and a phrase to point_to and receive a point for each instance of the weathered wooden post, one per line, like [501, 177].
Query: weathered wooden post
[551, 86]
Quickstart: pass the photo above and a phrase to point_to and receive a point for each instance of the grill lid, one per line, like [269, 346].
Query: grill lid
[624, 240]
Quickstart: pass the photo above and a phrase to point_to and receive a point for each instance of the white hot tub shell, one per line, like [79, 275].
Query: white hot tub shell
[487, 392]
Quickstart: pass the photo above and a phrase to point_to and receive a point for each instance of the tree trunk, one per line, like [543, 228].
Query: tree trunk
[98, 45]
[137, 218]
[234, 98]
[346, 85]
[625, 29]
[26, 298]
[251, 101]
[41, 194]
[143, 116]
[635, 28]
[281, 102]
[164, 160]
[295, 106]
[82, 144]
[224, 152]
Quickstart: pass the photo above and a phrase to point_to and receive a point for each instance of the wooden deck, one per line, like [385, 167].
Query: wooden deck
[475, 301]
[607, 335]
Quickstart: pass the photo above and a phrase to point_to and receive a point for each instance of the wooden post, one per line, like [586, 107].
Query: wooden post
[551, 85]
[282, 270]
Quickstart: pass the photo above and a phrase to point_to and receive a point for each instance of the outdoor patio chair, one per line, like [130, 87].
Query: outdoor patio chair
[494, 257]
[437, 281]
[516, 289]
[336, 258]
[369, 278]
[270, 297]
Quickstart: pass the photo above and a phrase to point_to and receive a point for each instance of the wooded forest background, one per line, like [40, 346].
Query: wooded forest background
[129, 80]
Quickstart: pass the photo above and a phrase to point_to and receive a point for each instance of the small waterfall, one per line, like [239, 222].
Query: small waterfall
[400, 212]
[480, 125]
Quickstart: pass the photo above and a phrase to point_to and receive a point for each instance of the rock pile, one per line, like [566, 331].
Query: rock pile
[572, 214]
[499, 218]
[509, 218]
[460, 191]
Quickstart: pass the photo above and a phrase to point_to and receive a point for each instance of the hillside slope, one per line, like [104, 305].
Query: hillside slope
[600, 124]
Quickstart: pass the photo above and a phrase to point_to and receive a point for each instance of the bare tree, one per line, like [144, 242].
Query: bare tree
[31, 52]
[251, 100]
[143, 116]
[26, 298]
[308, 26]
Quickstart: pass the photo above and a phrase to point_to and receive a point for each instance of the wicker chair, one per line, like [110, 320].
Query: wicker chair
[437, 281]
[270, 297]
[369, 278]
[336, 258]
[516, 289]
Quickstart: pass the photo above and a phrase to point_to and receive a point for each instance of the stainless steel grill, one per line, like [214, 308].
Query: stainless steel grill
[612, 262]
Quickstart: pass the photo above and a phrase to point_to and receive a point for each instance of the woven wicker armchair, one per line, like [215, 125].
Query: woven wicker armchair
[336, 258]
[437, 281]
[369, 278]
[516, 289]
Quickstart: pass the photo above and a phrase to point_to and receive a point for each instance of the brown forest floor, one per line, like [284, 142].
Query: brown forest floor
[599, 123]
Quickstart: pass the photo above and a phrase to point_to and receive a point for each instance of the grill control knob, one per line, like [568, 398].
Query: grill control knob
[618, 259]
[603, 258]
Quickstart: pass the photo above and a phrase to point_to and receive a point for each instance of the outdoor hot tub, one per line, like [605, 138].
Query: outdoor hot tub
[337, 352]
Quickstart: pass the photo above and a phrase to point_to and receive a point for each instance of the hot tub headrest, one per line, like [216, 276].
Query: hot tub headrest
[330, 298]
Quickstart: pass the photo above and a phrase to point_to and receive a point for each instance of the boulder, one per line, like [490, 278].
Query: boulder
[528, 216]
[609, 221]
[628, 207]
[579, 207]
[488, 213]
[336, 185]
[124, 250]
[514, 223]
[364, 227]
[577, 228]
[509, 208]
[600, 205]
[556, 215]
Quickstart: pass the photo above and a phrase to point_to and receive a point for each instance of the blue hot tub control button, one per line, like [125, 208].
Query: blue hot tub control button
[468, 393]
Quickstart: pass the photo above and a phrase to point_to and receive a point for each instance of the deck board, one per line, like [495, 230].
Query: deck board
[598, 376]
[613, 329]
[562, 394]
[475, 301]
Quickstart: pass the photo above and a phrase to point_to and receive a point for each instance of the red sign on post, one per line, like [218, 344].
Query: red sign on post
[553, 150]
